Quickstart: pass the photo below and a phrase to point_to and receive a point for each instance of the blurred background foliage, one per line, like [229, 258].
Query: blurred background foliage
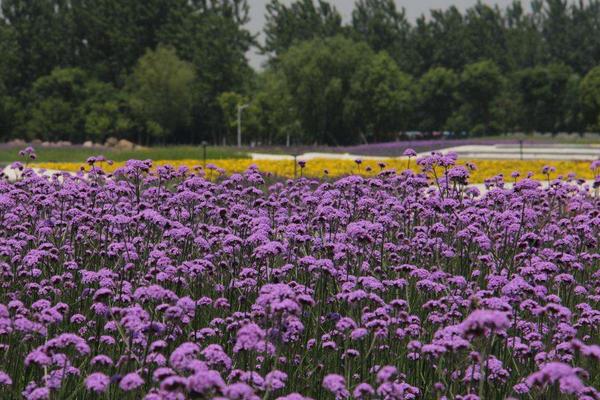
[175, 71]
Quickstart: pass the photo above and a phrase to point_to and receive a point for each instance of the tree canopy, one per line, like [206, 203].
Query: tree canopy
[172, 71]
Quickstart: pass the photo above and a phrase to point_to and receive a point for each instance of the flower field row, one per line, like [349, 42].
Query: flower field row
[335, 168]
[160, 284]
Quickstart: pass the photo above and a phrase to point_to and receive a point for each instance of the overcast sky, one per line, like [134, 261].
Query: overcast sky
[414, 8]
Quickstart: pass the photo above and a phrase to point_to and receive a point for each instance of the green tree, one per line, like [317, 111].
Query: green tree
[543, 90]
[584, 35]
[486, 34]
[43, 32]
[113, 34]
[211, 36]
[555, 30]
[104, 39]
[383, 27]
[449, 39]
[68, 104]
[319, 75]
[436, 99]
[524, 42]
[230, 102]
[590, 99]
[8, 112]
[421, 45]
[277, 118]
[380, 98]
[54, 105]
[480, 83]
[107, 112]
[505, 110]
[9, 75]
[302, 20]
[9, 61]
[161, 95]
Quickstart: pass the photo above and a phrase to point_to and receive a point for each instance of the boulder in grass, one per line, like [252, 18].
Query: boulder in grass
[17, 143]
[111, 142]
[88, 143]
[125, 144]
[36, 142]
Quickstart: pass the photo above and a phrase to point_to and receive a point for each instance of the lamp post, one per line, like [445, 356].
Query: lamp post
[240, 108]
[521, 148]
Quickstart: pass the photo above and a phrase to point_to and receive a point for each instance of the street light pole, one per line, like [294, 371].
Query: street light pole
[521, 148]
[240, 108]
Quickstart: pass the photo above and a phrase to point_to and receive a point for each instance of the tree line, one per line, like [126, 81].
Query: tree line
[176, 71]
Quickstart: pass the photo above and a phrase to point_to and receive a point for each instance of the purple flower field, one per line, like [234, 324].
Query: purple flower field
[161, 284]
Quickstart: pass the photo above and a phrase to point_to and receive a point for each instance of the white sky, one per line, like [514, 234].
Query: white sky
[414, 8]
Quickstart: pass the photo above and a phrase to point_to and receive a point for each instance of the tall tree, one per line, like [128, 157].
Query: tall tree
[10, 60]
[480, 83]
[54, 106]
[435, 98]
[449, 38]
[233, 103]
[505, 110]
[302, 20]
[113, 34]
[422, 43]
[584, 35]
[555, 28]
[485, 34]
[524, 41]
[107, 112]
[543, 90]
[590, 98]
[211, 36]
[383, 27]
[9, 75]
[161, 94]
[380, 98]
[573, 117]
[319, 75]
[277, 118]
[42, 30]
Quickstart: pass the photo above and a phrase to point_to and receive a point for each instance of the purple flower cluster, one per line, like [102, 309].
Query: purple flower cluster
[157, 283]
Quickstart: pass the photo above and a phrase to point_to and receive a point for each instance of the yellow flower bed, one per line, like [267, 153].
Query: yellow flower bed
[332, 167]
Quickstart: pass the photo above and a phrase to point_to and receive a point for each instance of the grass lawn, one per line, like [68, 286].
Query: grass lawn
[80, 154]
